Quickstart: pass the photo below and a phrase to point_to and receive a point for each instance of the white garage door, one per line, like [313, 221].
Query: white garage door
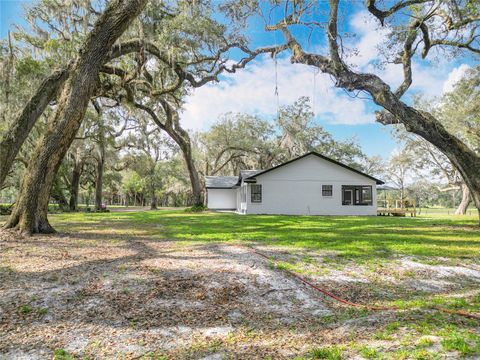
[222, 198]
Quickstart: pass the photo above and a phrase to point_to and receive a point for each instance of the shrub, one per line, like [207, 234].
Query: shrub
[61, 354]
[457, 342]
[25, 309]
[330, 353]
[196, 208]
[6, 209]
[369, 353]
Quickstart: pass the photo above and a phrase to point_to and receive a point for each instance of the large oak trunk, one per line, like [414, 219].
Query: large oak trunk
[194, 178]
[183, 141]
[75, 186]
[466, 161]
[99, 182]
[13, 139]
[153, 196]
[466, 200]
[182, 138]
[30, 212]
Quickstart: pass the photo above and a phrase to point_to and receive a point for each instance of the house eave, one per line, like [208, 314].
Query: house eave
[218, 187]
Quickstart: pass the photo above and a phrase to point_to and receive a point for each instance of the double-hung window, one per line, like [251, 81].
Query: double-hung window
[256, 193]
[327, 190]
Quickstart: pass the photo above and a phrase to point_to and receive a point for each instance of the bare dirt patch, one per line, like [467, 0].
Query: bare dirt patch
[110, 296]
[93, 295]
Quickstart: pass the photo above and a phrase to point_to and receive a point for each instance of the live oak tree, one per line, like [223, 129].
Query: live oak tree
[399, 168]
[81, 160]
[19, 73]
[57, 32]
[56, 85]
[30, 212]
[236, 142]
[418, 29]
[299, 133]
[242, 141]
[458, 110]
[43, 52]
[147, 148]
[76, 159]
[105, 128]
[169, 121]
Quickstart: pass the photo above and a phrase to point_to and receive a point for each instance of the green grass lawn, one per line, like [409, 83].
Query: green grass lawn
[442, 235]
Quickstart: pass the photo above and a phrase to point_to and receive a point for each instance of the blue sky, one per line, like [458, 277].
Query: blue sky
[253, 90]
[10, 12]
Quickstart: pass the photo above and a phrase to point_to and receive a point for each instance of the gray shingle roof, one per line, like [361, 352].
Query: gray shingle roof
[248, 173]
[228, 182]
[221, 182]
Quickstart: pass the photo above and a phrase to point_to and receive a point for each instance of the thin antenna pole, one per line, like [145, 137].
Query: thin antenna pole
[276, 85]
[314, 92]
[314, 95]
[276, 75]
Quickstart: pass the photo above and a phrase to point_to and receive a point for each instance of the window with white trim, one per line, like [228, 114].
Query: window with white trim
[327, 190]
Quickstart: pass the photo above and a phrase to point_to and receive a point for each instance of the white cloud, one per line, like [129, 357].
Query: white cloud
[252, 90]
[369, 37]
[455, 76]
[429, 78]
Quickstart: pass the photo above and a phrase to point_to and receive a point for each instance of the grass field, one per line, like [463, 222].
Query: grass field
[442, 235]
[114, 260]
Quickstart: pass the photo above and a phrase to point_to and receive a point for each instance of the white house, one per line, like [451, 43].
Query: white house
[311, 184]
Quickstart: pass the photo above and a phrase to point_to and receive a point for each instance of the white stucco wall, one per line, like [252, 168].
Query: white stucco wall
[222, 198]
[296, 189]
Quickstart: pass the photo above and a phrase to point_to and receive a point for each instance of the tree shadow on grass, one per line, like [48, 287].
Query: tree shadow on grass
[356, 235]
[129, 286]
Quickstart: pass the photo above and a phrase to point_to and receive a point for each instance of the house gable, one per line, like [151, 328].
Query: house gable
[315, 166]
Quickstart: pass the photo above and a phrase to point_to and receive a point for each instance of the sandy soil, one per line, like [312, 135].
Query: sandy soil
[109, 296]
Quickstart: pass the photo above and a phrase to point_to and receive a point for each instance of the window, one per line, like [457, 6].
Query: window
[327, 190]
[256, 193]
[356, 195]
[367, 195]
[347, 196]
